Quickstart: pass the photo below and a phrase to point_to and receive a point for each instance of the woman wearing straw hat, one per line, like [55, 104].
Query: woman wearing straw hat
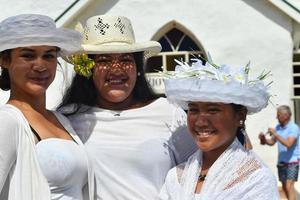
[130, 132]
[217, 99]
[41, 157]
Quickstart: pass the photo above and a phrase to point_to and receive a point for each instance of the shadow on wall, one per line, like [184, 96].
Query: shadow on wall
[99, 7]
[271, 12]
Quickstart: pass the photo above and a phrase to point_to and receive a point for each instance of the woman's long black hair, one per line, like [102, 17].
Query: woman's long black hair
[83, 91]
[4, 77]
[240, 134]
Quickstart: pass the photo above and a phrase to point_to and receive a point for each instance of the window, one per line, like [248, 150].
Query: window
[296, 85]
[177, 43]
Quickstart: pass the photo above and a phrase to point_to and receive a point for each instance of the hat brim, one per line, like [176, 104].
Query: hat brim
[67, 40]
[182, 91]
[151, 47]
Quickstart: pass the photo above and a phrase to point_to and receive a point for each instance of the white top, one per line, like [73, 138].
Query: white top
[133, 149]
[237, 174]
[65, 167]
[21, 176]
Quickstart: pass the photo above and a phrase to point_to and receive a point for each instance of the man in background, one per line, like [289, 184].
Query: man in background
[286, 134]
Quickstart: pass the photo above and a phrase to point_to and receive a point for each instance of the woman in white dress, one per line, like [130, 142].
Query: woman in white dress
[217, 99]
[132, 135]
[41, 157]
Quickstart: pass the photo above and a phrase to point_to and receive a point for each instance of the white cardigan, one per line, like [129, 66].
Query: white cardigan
[237, 174]
[20, 173]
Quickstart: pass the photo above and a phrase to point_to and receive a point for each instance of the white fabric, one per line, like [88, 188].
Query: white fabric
[133, 149]
[33, 29]
[65, 167]
[20, 174]
[113, 34]
[211, 83]
[237, 174]
[182, 91]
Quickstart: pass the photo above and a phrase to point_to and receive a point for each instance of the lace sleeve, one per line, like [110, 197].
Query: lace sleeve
[262, 185]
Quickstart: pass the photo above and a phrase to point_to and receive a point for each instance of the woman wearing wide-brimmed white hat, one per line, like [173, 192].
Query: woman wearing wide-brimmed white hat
[41, 157]
[218, 99]
[133, 136]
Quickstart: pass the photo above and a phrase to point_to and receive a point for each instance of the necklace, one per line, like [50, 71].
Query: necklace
[201, 177]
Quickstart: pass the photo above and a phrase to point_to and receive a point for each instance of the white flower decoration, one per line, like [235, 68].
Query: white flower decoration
[211, 71]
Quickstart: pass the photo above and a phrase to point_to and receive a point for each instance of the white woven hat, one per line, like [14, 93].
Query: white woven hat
[33, 30]
[104, 34]
[212, 83]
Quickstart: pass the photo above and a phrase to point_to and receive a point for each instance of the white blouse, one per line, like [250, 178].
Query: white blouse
[237, 174]
[132, 150]
[25, 166]
[65, 167]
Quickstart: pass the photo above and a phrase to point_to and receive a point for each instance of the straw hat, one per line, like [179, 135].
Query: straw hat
[33, 30]
[105, 34]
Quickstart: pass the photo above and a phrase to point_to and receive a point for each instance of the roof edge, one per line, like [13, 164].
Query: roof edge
[71, 12]
[287, 8]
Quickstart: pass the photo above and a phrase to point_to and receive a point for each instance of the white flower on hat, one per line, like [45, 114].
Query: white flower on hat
[212, 83]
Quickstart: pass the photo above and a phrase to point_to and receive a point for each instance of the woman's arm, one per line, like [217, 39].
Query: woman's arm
[262, 185]
[8, 145]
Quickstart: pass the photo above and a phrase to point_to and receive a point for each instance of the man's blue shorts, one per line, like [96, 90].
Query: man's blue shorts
[288, 171]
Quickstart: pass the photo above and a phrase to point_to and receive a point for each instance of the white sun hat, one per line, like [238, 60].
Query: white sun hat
[34, 30]
[212, 83]
[105, 34]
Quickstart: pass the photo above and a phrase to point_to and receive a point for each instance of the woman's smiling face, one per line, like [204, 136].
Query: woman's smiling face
[213, 125]
[31, 69]
[114, 76]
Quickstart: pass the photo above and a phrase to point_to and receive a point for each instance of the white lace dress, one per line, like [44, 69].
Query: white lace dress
[237, 174]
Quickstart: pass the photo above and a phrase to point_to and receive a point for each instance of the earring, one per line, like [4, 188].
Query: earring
[247, 143]
[242, 123]
[242, 128]
[139, 74]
